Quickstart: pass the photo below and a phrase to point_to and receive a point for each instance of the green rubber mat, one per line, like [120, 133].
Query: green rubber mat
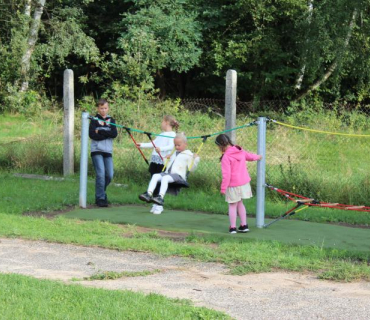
[285, 231]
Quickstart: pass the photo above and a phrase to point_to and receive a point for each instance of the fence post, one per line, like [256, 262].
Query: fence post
[230, 103]
[69, 116]
[84, 158]
[261, 172]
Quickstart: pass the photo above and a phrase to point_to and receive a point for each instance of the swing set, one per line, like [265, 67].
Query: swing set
[302, 203]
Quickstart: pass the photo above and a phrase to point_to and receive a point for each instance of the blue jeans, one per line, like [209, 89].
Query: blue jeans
[104, 174]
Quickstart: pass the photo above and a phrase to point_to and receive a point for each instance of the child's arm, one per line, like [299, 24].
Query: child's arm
[94, 133]
[169, 146]
[226, 174]
[196, 160]
[145, 145]
[108, 131]
[252, 156]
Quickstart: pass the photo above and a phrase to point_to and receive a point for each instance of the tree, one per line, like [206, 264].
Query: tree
[159, 36]
[337, 27]
[31, 41]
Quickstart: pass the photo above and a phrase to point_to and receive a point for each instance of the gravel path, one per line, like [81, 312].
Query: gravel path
[254, 296]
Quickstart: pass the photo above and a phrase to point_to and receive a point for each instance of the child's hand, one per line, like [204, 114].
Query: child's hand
[158, 149]
[195, 156]
[96, 131]
[138, 145]
[260, 157]
[168, 156]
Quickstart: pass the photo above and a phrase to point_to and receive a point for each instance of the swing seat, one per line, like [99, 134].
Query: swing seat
[304, 200]
[174, 188]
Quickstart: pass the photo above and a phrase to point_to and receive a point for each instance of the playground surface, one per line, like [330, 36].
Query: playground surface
[285, 231]
[280, 295]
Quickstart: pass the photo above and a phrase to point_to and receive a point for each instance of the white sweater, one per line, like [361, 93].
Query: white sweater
[182, 162]
[165, 144]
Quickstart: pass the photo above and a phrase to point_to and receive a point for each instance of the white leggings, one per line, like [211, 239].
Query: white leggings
[165, 180]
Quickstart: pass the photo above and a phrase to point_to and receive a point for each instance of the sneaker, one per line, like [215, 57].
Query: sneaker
[145, 197]
[154, 206]
[158, 210]
[158, 200]
[243, 228]
[102, 203]
[232, 230]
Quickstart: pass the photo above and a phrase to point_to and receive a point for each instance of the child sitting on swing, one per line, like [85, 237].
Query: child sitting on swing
[180, 163]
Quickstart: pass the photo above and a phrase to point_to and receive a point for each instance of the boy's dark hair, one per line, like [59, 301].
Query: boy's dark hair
[101, 102]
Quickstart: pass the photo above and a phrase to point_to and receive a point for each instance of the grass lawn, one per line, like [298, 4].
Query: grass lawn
[21, 195]
[23, 297]
[17, 127]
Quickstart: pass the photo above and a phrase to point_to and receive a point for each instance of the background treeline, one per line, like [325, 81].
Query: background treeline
[282, 49]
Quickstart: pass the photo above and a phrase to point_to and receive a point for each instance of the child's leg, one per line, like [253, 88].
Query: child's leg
[153, 182]
[232, 214]
[108, 164]
[153, 169]
[164, 185]
[242, 212]
[98, 163]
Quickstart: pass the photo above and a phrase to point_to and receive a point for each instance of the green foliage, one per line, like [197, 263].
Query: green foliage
[26, 103]
[27, 298]
[64, 38]
[158, 35]
[113, 275]
[181, 47]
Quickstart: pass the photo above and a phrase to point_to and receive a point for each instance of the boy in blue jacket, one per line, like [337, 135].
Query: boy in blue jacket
[102, 134]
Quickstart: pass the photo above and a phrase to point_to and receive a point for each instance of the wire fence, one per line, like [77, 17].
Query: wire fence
[197, 118]
[323, 166]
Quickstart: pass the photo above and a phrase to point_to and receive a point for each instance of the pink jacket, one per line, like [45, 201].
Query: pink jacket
[234, 167]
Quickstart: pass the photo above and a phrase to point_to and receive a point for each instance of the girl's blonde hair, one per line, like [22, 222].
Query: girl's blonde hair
[172, 121]
[182, 137]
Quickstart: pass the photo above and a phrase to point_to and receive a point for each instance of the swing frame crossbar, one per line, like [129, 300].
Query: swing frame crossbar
[303, 202]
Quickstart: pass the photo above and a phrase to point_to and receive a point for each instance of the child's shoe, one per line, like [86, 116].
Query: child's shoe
[158, 200]
[102, 203]
[243, 228]
[158, 209]
[154, 206]
[145, 197]
[232, 230]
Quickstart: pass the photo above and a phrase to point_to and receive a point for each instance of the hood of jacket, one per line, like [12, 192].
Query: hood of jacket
[235, 152]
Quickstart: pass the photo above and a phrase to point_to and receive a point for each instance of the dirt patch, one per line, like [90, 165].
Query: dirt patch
[177, 236]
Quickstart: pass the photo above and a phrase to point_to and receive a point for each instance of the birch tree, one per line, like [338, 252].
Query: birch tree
[27, 8]
[31, 42]
[333, 66]
[299, 81]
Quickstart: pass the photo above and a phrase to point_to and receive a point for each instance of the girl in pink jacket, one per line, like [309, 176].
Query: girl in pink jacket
[235, 180]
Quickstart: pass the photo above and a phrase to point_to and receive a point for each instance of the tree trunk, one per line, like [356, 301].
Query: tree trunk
[300, 77]
[334, 64]
[27, 8]
[181, 84]
[161, 84]
[31, 42]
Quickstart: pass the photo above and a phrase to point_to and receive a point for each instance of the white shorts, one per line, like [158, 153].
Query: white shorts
[235, 194]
